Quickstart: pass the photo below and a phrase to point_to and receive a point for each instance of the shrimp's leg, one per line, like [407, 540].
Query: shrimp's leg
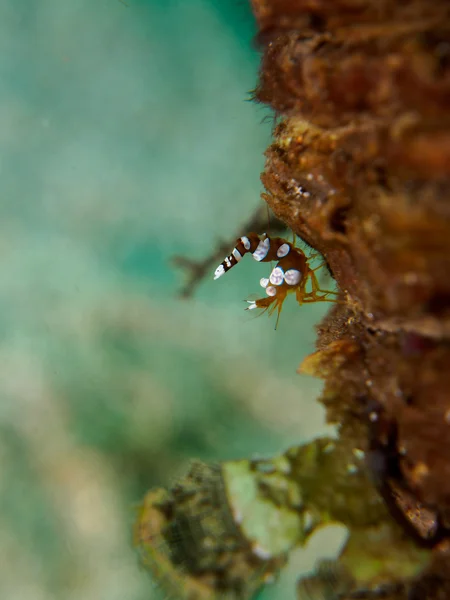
[316, 288]
[304, 297]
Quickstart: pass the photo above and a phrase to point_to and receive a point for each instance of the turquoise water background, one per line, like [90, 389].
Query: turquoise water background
[126, 138]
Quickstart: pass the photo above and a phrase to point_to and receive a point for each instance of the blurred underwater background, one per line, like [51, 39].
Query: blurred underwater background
[126, 138]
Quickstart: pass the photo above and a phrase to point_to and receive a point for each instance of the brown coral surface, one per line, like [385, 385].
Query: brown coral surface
[360, 169]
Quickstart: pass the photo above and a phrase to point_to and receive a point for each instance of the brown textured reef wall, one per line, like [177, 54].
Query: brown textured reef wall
[360, 169]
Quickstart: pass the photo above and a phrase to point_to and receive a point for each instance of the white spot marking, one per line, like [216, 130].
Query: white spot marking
[271, 290]
[238, 516]
[228, 262]
[283, 250]
[219, 272]
[246, 242]
[301, 191]
[261, 251]
[264, 282]
[277, 276]
[373, 416]
[261, 552]
[308, 520]
[237, 255]
[292, 276]
[251, 305]
[358, 453]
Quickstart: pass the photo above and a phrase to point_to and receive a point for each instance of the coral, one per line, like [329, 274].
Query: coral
[361, 89]
[223, 532]
[364, 89]
[193, 544]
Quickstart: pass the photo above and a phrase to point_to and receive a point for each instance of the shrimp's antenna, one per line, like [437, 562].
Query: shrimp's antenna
[278, 317]
[268, 220]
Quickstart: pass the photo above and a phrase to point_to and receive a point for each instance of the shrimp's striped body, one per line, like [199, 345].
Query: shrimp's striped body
[291, 273]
